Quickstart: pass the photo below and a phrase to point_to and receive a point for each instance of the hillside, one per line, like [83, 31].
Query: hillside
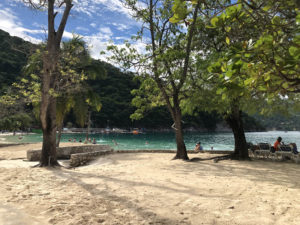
[13, 56]
[114, 90]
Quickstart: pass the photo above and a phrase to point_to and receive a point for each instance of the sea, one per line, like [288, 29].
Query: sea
[165, 140]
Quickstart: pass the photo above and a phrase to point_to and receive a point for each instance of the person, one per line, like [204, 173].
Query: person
[198, 147]
[94, 141]
[80, 140]
[277, 143]
[114, 142]
[294, 148]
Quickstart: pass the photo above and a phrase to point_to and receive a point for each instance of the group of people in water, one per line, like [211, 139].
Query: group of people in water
[86, 140]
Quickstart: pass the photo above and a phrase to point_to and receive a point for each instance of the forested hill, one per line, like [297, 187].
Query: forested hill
[13, 56]
[114, 90]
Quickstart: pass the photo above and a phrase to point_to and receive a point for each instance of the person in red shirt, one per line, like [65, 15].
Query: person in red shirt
[277, 143]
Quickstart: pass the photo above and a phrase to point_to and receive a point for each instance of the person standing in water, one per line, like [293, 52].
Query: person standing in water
[198, 147]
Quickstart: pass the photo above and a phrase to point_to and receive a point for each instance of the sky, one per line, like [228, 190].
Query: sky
[97, 21]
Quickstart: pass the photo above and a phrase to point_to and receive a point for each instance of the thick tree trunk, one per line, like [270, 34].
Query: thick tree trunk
[235, 121]
[48, 109]
[181, 152]
[48, 157]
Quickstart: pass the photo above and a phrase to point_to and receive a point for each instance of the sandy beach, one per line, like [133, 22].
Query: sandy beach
[147, 188]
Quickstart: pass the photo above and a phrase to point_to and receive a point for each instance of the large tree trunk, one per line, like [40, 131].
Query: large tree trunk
[48, 109]
[181, 152]
[48, 157]
[234, 120]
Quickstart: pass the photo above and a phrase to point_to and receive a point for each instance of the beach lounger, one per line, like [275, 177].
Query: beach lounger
[285, 152]
[264, 150]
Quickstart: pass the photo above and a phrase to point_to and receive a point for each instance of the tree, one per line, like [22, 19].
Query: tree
[164, 66]
[49, 77]
[274, 56]
[222, 87]
[80, 96]
[72, 92]
[268, 59]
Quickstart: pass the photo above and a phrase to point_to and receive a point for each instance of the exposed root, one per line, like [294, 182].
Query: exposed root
[231, 157]
[37, 165]
[177, 157]
[196, 159]
[56, 164]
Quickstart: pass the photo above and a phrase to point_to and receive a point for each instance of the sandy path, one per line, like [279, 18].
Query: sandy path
[152, 189]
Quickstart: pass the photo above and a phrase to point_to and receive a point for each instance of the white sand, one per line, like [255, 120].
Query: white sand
[147, 188]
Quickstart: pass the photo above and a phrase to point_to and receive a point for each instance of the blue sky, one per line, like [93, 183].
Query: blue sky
[97, 21]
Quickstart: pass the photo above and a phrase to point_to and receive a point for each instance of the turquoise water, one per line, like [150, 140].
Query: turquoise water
[219, 141]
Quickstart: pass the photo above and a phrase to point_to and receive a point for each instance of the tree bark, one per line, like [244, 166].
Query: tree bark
[181, 152]
[49, 157]
[234, 120]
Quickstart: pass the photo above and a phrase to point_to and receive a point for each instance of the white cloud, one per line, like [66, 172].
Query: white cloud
[120, 26]
[106, 30]
[11, 24]
[82, 29]
[96, 45]
[98, 42]
[68, 35]
[121, 38]
[93, 25]
[96, 6]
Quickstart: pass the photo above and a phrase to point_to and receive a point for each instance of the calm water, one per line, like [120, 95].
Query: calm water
[219, 141]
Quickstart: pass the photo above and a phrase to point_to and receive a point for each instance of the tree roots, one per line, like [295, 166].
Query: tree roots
[56, 164]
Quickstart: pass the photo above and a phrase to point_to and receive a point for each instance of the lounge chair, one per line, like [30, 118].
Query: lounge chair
[264, 150]
[288, 152]
[284, 152]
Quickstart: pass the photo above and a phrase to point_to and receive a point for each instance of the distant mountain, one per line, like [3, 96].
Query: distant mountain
[114, 89]
[14, 52]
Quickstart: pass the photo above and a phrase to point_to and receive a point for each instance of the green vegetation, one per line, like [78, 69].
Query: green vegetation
[13, 56]
[115, 89]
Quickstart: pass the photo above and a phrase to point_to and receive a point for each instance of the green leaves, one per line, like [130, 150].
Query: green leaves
[295, 52]
[180, 11]
[214, 21]
[227, 40]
